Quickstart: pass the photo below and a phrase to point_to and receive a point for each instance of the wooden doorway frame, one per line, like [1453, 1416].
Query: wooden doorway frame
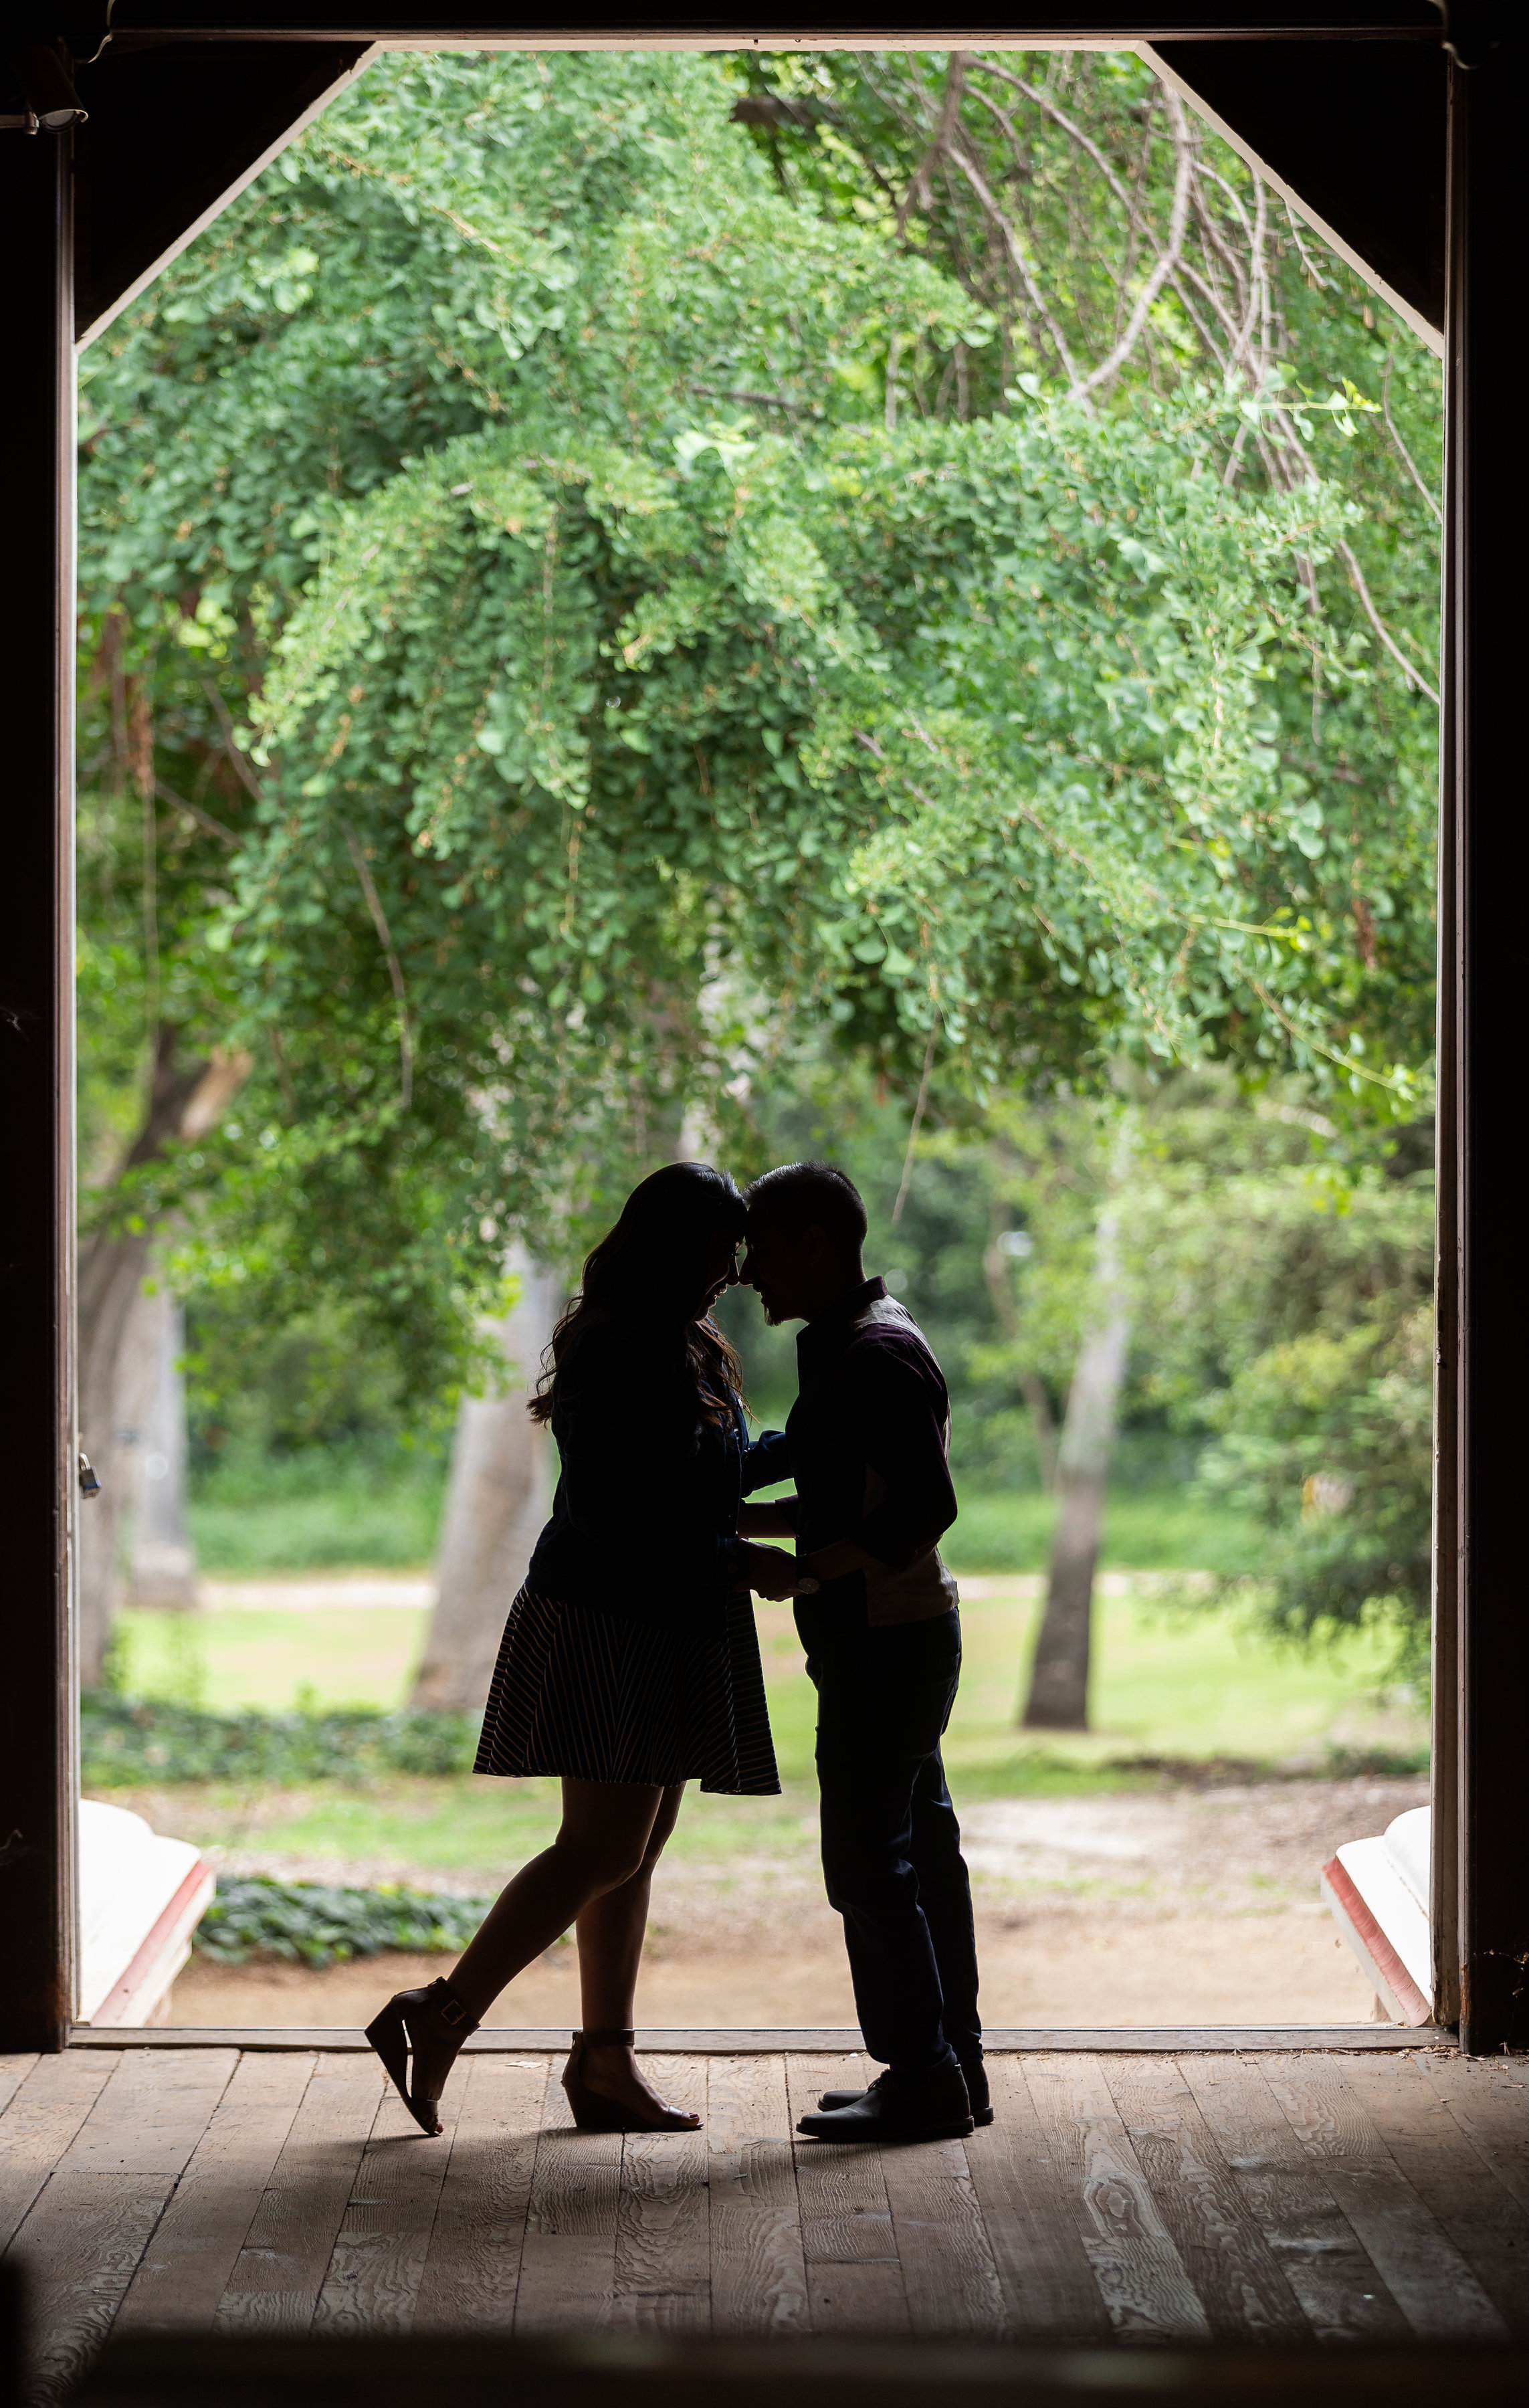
[186, 109]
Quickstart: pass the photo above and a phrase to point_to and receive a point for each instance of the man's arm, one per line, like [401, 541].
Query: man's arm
[901, 1410]
[774, 1519]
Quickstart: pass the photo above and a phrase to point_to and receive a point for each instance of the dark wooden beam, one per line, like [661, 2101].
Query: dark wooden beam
[1484, 1148]
[1353, 132]
[37, 1483]
[844, 27]
[175, 133]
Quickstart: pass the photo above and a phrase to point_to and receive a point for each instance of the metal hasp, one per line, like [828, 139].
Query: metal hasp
[1398, 130]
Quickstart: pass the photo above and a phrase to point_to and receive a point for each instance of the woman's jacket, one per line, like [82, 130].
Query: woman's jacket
[645, 1516]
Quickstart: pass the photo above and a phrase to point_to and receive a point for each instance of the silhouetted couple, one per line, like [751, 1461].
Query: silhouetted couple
[630, 1663]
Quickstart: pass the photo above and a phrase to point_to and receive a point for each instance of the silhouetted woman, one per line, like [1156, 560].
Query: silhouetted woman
[629, 1663]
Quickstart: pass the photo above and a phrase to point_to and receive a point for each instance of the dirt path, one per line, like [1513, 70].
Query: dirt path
[1192, 1906]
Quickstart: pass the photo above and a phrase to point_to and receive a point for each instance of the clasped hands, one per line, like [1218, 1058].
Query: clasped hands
[771, 1572]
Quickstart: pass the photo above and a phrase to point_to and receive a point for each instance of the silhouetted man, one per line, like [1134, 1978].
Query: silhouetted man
[868, 1442]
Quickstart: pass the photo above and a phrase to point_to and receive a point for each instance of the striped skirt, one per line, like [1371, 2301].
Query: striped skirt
[601, 1697]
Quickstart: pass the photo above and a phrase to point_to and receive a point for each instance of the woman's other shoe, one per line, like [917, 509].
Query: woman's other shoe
[429, 2026]
[594, 2110]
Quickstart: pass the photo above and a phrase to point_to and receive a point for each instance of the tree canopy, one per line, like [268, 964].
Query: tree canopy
[577, 592]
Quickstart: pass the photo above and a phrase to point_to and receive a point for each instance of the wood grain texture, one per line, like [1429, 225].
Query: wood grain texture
[568, 2260]
[1326, 2265]
[280, 2270]
[90, 2224]
[44, 2114]
[758, 2272]
[849, 2247]
[184, 2271]
[1125, 2197]
[81, 2246]
[377, 2260]
[1459, 2187]
[13, 2073]
[472, 2268]
[1047, 2288]
[1422, 2270]
[1488, 2102]
[151, 2113]
[663, 2277]
[949, 2275]
[1140, 2274]
[1237, 2277]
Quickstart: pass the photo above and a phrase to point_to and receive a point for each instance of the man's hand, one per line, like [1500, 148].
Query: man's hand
[771, 1572]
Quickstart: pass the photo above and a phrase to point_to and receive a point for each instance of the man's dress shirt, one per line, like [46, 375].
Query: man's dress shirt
[869, 1440]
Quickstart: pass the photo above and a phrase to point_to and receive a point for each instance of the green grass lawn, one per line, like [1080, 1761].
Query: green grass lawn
[375, 1508]
[1172, 1688]
[326, 1510]
[1146, 1529]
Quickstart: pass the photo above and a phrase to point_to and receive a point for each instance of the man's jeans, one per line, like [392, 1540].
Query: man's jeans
[891, 1843]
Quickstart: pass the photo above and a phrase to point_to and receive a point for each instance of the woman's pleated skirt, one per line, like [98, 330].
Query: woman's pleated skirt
[602, 1696]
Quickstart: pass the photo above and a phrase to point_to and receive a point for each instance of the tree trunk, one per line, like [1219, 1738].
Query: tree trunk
[120, 1340]
[1031, 1386]
[120, 1344]
[496, 1505]
[163, 1564]
[1059, 1678]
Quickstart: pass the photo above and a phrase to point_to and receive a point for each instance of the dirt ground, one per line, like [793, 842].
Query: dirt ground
[1189, 1906]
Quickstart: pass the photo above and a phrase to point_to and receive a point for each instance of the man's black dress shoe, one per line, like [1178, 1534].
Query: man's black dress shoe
[976, 2092]
[927, 2107]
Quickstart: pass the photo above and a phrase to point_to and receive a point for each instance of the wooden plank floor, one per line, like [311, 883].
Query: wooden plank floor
[1117, 2199]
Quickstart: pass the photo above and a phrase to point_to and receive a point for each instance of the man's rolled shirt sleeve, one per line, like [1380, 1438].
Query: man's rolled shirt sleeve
[766, 1460]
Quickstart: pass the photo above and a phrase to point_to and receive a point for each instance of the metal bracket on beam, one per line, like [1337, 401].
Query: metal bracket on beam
[52, 103]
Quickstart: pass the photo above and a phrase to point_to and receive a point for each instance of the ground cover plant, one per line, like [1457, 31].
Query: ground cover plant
[1176, 1683]
[127, 1743]
[317, 1924]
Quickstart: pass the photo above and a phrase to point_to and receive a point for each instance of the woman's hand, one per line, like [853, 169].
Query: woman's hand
[770, 1571]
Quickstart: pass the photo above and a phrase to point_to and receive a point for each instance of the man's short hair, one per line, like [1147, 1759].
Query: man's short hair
[804, 1194]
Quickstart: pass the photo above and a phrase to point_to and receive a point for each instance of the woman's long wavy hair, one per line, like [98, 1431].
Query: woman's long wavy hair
[643, 1282]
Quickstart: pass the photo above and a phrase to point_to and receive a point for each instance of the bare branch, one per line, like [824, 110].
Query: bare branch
[917, 1119]
[178, 802]
[1059, 117]
[1356, 578]
[1323, 283]
[1385, 404]
[237, 759]
[1167, 260]
[1009, 234]
[384, 938]
[918, 193]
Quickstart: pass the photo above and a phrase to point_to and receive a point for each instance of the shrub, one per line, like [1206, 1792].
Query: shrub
[132, 1744]
[309, 1923]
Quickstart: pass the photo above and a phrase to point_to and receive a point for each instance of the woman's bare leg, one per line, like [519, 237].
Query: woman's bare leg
[610, 1935]
[604, 1840]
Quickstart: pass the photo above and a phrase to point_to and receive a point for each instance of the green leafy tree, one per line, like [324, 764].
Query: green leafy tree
[570, 632]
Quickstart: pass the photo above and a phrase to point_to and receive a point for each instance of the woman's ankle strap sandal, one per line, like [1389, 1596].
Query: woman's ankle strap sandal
[595, 2111]
[450, 2006]
[411, 2028]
